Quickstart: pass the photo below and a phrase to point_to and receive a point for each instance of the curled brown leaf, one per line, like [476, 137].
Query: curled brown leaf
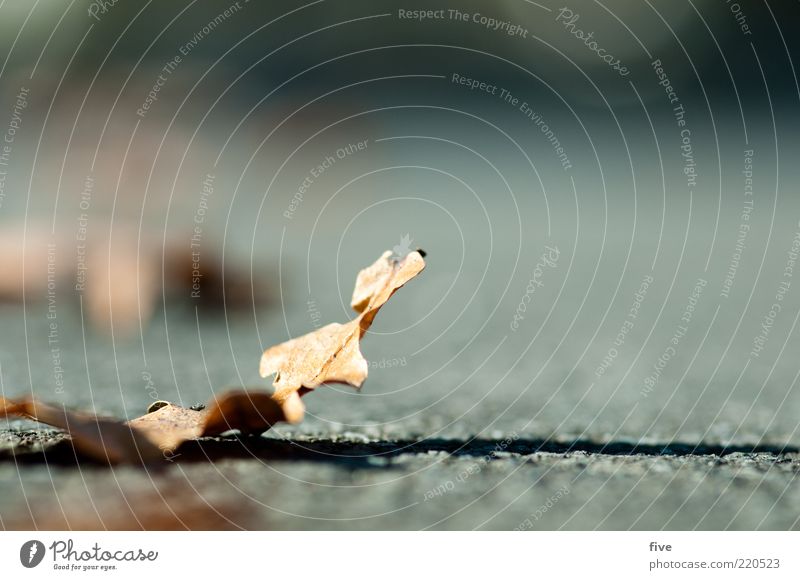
[158, 434]
[332, 353]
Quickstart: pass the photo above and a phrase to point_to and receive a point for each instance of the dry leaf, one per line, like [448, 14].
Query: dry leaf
[331, 354]
[106, 440]
[159, 433]
[251, 412]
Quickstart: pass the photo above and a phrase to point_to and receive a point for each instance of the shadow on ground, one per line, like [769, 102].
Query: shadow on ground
[42, 447]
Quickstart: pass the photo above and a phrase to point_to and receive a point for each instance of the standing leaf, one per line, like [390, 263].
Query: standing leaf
[332, 353]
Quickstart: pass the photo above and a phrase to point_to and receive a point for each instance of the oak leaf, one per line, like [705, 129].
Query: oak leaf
[160, 432]
[332, 354]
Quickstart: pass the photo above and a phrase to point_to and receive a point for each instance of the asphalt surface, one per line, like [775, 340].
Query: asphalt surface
[353, 482]
[601, 339]
[456, 428]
